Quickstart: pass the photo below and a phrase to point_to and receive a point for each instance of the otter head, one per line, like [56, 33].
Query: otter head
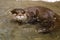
[19, 14]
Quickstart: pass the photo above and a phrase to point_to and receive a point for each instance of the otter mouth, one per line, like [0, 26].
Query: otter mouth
[20, 18]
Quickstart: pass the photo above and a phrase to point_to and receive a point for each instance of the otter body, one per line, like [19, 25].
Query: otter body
[41, 15]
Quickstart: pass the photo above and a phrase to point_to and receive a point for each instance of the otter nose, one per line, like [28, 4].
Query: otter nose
[20, 14]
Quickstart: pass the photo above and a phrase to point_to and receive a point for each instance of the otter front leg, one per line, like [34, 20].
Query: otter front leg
[32, 21]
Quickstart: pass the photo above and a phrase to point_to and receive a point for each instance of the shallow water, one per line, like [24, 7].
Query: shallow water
[14, 31]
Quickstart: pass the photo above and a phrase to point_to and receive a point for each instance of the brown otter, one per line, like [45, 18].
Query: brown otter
[37, 14]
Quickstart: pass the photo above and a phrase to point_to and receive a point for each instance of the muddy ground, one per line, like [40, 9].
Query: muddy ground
[10, 30]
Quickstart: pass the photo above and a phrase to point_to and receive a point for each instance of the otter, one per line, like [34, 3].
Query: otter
[45, 17]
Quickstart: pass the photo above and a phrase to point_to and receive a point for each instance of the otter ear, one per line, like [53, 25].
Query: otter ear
[13, 11]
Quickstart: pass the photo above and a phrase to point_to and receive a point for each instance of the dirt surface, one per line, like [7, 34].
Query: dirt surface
[14, 31]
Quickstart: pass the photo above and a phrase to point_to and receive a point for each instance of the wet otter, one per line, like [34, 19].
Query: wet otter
[37, 14]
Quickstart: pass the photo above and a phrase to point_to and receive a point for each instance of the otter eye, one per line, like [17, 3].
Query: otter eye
[23, 13]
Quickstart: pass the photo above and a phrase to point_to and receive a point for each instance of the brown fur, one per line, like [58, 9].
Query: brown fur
[44, 16]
